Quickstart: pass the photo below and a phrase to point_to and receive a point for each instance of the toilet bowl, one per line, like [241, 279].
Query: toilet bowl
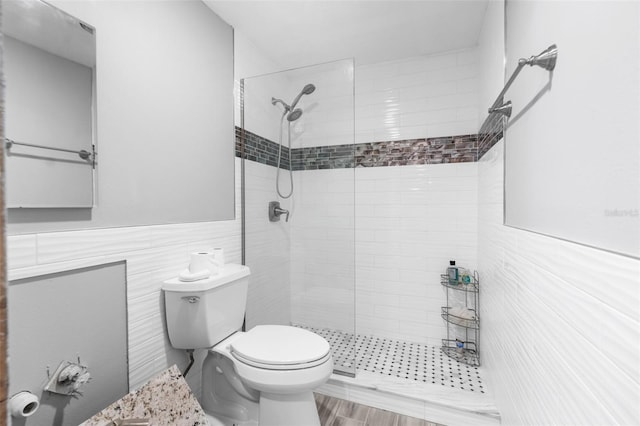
[282, 363]
[264, 376]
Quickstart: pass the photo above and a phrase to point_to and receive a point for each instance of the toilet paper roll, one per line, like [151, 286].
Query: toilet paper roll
[218, 256]
[23, 404]
[202, 261]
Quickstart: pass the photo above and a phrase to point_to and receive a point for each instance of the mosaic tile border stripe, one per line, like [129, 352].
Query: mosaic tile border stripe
[261, 150]
[451, 149]
[323, 157]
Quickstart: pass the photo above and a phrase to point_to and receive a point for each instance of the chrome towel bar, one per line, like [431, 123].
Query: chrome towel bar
[85, 155]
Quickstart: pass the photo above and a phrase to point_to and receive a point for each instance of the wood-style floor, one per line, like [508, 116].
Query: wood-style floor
[338, 412]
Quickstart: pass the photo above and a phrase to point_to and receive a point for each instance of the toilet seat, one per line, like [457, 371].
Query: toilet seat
[279, 347]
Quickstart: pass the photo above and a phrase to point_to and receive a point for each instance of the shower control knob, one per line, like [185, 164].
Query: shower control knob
[275, 211]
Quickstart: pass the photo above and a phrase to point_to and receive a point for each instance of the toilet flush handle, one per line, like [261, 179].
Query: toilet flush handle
[191, 299]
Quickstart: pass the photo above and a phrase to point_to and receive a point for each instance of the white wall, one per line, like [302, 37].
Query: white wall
[159, 252]
[153, 254]
[267, 243]
[163, 69]
[262, 82]
[550, 110]
[424, 96]
[560, 321]
[491, 57]
[62, 317]
[248, 62]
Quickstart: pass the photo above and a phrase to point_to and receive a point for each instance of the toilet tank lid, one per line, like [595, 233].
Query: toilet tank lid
[230, 272]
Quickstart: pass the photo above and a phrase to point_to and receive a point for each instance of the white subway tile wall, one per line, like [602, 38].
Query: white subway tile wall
[564, 319]
[328, 111]
[322, 249]
[410, 221]
[420, 97]
[267, 249]
[22, 251]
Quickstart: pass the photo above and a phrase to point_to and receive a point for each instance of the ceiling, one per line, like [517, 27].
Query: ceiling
[296, 33]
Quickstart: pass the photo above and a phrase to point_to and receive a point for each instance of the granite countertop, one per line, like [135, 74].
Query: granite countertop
[164, 400]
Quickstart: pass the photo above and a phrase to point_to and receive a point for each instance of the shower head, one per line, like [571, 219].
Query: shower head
[546, 59]
[293, 112]
[504, 109]
[294, 115]
[306, 90]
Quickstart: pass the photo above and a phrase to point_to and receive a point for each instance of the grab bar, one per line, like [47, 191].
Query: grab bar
[85, 155]
[546, 59]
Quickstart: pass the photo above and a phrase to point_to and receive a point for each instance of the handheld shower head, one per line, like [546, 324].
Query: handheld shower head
[306, 90]
[292, 113]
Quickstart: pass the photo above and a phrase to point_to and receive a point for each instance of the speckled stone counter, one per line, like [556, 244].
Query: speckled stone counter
[164, 400]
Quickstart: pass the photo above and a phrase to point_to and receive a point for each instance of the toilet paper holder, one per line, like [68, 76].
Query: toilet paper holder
[68, 378]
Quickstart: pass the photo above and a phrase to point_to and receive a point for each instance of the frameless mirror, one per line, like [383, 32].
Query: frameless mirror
[49, 70]
[572, 157]
[164, 129]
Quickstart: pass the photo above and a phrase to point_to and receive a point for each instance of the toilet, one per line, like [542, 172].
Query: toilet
[264, 376]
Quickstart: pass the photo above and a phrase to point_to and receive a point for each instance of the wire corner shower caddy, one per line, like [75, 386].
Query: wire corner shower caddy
[463, 321]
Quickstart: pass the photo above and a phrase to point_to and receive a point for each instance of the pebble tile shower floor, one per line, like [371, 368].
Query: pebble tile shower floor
[405, 360]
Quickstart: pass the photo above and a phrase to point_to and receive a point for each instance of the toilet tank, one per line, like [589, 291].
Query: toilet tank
[202, 313]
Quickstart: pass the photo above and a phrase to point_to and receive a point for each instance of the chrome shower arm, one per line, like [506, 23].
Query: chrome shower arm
[280, 101]
[500, 99]
[546, 59]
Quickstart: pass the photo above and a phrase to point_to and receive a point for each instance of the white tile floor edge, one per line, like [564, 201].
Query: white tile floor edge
[449, 407]
[410, 379]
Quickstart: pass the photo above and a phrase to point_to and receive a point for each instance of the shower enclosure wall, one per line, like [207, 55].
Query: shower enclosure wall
[385, 195]
[376, 215]
[303, 269]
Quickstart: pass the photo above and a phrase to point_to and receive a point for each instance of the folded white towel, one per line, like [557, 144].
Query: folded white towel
[188, 276]
[462, 312]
